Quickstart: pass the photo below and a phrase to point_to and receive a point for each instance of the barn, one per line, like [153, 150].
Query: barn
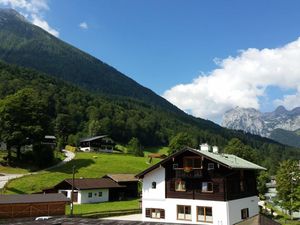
[34, 205]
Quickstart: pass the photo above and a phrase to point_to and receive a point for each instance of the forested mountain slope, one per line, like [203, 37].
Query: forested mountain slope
[75, 113]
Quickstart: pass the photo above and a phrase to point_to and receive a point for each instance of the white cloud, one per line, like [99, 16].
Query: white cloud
[32, 10]
[83, 25]
[36, 20]
[240, 81]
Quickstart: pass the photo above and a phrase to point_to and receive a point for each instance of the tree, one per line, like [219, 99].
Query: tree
[262, 180]
[22, 119]
[180, 141]
[135, 148]
[238, 148]
[288, 183]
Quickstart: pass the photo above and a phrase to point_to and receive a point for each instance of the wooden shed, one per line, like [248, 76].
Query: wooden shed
[128, 180]
[34, 205]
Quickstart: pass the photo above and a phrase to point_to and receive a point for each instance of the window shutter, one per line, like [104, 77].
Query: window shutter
[162, 213]
[147, 212]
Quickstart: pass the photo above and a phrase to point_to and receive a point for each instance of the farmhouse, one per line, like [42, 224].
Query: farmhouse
[89, 190]
[128, 180]
[198, 187]
[99, 143]
[14, 206]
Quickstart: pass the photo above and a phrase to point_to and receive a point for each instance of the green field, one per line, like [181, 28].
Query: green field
[103, 207]
[87, 165]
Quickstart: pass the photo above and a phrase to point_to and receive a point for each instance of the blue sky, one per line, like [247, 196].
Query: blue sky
[204, 56]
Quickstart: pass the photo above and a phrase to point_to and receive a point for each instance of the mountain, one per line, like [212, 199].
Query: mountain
[25, 44]
[280, 125]
[85, 96]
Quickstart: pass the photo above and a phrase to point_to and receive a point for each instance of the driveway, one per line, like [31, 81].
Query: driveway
[5, 177]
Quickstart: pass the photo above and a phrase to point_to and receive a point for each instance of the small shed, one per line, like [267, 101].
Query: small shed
[128, 180]
[17, 206]
[99, 143]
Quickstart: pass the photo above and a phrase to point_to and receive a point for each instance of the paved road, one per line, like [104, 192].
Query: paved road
[82, 221]
[4, 177]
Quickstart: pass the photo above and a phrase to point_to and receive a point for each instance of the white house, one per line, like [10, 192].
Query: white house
[88, 190]
[200, 187]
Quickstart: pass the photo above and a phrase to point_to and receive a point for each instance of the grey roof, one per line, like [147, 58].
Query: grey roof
[50, 137]
[92, 183]
[227, 160]
[231, 161]
[33, 198]
[93, 138]
[120, 177]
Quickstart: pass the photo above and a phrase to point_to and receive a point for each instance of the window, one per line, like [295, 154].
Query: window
[153, 185]
[211, 166]
[194, 162]
[204, 214]
[175, 166]
[155, 213]
[245, 213]
[179, 185]
[184, 212]
[207, 187]
[90, 194]
[100, 194]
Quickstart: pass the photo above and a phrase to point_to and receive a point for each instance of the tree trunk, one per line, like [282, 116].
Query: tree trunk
[18, 153]
[8, 155]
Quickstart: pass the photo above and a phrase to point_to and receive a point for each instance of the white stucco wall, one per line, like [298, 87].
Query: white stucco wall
[158, 176]
[235, 207]
[224, 213]
[83, 196]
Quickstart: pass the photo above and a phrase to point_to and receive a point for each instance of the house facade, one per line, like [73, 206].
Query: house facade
[200, 187]
[88, 190]
[97, 144]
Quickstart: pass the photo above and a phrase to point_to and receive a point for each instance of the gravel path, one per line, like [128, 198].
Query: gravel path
[5, 177]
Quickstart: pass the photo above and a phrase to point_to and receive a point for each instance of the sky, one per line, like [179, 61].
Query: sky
[205, 57]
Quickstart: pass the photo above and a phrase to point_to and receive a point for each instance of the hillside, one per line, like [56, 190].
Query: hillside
[75, 113]
[27, 45]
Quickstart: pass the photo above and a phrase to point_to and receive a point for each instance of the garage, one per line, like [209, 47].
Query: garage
[17, 206]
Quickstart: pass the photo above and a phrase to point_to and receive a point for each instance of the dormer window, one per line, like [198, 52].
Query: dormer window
[153, 185]
[210, 166]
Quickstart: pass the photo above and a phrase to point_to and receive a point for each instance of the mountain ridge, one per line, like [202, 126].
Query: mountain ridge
[277, 125]
[25, 44]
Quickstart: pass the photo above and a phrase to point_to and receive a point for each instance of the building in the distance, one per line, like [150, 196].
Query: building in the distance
[97, 144]
[200, 187]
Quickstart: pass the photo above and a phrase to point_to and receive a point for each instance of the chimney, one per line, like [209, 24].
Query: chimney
[205, 147]
[215, 149]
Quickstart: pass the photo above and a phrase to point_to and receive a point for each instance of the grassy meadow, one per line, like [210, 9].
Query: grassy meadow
[88, 165]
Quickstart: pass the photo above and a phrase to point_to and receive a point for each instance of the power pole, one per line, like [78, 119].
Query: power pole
[72, 192]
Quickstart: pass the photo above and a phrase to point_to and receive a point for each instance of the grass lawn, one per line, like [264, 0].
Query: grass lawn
[103, 207]
[161, 150]
[88, 165]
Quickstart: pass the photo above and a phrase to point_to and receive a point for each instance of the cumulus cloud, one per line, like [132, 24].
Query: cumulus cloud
[83, 26]
[241, 81]
[32, 10]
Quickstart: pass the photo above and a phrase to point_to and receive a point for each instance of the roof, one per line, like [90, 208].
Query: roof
[258, 220]
[93, 183]
[227, 160]
[119, 177]
[50, 137]
[33, 198]
[93, 138]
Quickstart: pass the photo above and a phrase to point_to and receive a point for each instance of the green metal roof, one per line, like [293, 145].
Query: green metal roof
[231, 161]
